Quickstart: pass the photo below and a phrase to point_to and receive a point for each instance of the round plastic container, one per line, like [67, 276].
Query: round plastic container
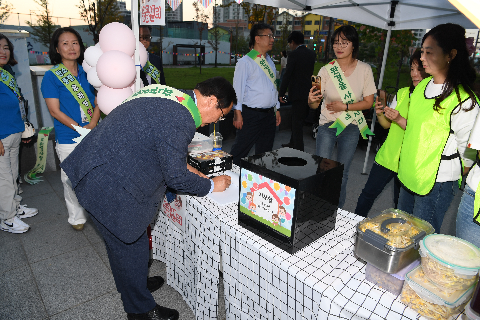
[471, 315]
[217, 140]
[450, 262]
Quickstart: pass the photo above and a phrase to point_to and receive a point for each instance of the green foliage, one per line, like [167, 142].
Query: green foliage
[5, 9]
[97, 14]
[43, 30]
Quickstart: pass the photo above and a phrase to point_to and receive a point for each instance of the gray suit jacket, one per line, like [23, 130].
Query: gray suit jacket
[121, 168]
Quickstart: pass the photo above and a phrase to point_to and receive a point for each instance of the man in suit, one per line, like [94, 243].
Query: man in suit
[121, 169]
[297, 79]
[156, 68]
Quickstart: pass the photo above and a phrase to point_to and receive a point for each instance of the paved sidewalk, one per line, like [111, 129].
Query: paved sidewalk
[54, 272]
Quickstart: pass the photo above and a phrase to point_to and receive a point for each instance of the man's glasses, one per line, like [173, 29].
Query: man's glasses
[341, 44]
[271, 36]
[223, 115]
[146, 38]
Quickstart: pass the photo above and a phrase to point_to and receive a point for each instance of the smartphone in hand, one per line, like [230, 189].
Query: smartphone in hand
[382, 97]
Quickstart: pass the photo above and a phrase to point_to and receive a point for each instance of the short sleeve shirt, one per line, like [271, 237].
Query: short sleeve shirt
[52, 87]
[361, 81]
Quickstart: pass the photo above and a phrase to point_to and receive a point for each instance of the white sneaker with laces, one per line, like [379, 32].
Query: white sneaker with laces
[14, 225]
[24, 212]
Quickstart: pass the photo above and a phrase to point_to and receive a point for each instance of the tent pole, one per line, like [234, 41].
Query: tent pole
[135, 29]
[380, 83]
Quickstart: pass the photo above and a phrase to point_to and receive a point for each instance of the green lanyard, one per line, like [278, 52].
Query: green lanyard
[263, 64]
[10, 82]
[152, 71]
[72, 84]
[166, 92]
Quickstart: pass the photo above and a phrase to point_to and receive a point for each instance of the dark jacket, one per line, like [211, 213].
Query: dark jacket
[298, 75]
[121, 168]
[157, 62]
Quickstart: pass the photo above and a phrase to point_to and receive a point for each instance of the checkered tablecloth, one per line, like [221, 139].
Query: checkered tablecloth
[322, 281]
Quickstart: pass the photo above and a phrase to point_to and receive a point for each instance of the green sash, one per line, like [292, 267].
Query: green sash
[347, 95]
[72, 84]
[166, 92]
[42, 142]
[263, 64]
[10, 82]
[152, 71]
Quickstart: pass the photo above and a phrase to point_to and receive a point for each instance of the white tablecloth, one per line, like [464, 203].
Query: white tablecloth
[322, 281]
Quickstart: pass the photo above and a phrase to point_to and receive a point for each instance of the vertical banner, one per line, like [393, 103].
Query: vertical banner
[152, 12]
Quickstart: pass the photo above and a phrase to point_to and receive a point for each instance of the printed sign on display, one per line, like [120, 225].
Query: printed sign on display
[175, 211]
[152, 12]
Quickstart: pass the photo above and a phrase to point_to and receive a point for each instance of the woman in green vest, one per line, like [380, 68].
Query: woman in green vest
[385, 167]
[442, 115]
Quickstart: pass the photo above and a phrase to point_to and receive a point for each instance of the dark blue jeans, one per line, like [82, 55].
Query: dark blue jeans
[431, 207]
[346, 146]
[378, 178]
[467, 229]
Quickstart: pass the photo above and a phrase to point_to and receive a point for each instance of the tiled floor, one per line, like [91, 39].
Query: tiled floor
[55, 272]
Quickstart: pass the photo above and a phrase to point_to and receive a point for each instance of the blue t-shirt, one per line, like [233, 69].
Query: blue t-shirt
[52, 87]
[10, 118]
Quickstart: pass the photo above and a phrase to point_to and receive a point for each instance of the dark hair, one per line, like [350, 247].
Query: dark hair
[220, 88]
[296, 36]
[148, 27]
[55, 57]
[12, 60]
[284, 53]
[416, 58]
[451, 36]
[350, 33]
[254, 31]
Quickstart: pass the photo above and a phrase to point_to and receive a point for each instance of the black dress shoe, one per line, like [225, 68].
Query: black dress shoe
[287, 145]
[157, 313]
[154, 283]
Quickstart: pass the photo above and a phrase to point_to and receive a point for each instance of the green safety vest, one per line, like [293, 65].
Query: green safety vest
[425, 138]
[389, 153]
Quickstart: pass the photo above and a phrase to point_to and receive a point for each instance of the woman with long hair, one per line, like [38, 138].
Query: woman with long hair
[71, 101]
[385, 167]
[11, 128]
[348, 88]
[441, 116]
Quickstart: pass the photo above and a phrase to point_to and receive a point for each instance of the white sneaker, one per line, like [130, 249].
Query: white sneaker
[14, 225]
[24, 212]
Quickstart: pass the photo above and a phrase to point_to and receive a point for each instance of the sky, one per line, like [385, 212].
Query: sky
[62, 10]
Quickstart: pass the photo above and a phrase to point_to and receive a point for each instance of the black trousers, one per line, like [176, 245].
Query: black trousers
[258, 129]
[299, 113]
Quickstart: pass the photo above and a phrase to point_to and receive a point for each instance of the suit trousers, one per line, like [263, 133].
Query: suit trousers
[258, 129]
[299, 113]
[129, 264]
[9, 198]
[76, 213]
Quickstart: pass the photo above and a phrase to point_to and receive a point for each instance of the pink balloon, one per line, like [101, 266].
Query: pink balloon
[108, 98]
[143, 55]
[116, 69]
[117, 36]
[86, 66]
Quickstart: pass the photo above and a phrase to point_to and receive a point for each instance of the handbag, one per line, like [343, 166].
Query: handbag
[29, 128]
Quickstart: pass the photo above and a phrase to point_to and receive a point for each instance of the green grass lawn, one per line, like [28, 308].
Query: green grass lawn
[187, 78]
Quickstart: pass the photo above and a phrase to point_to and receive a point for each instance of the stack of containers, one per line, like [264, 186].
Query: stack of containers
[442, 285]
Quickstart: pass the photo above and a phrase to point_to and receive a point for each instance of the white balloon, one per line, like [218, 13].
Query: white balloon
[86, 66]
[92, 54]
[143, 54]
[92, 77]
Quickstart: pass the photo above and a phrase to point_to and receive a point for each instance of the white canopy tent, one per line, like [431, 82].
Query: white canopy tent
[389, 15]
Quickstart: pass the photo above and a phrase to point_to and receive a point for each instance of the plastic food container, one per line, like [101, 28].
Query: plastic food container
[471, 315]
[390, 240]
[431, 301]
[393, 283]
[450, 262]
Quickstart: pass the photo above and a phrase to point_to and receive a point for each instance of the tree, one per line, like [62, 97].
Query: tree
[43, 30]
[215, 32]
[97, 14]
[5, 9]
[201, 18]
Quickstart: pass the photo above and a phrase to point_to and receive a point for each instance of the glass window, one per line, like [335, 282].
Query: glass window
[308, 32]
[297, 23]
[317, 22]
[308, 23]
[290, 22]
[279, 23]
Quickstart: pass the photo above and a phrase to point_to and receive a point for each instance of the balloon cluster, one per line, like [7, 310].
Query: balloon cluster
[110, 65]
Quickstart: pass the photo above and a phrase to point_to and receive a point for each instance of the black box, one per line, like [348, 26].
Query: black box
[211, 161]
[289, 197]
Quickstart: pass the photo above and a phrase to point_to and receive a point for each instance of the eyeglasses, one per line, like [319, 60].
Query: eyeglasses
[341, 44]
[146, 38]
[271, 36]
[223, 115]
